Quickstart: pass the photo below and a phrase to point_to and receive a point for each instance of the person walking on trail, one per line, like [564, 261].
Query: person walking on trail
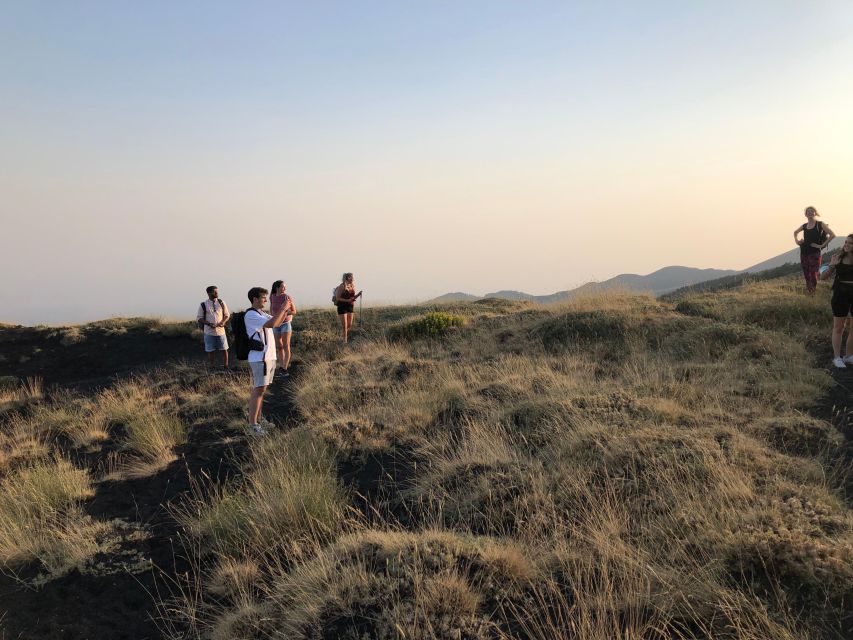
[816, 235]
[284, 331]
[841, 267]
[344, 298]
[212, 316]
[262, 358]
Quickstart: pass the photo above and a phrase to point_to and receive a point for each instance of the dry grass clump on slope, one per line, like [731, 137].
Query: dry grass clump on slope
[289, 502]
[655, 464]
[148, 427]
[40, 517]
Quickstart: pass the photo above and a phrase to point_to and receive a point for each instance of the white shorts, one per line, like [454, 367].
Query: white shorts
[259, 378]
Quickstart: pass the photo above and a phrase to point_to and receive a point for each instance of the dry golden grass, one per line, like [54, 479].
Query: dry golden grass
[150, 428]
[40, 520]
[612, 467]
[656, 464]
[290, 500]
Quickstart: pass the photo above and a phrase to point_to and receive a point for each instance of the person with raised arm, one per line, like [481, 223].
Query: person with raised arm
[262, 356]
[284, 331]
[345, 297]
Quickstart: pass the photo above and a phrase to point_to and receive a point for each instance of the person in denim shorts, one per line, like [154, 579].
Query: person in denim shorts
[280, 299]
[212, 316]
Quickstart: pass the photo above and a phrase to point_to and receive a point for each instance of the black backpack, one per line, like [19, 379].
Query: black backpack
[823, 235]
[242, 342]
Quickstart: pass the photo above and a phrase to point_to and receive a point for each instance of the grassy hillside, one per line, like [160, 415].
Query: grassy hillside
[614, 467]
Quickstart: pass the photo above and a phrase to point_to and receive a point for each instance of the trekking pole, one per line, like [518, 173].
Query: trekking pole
[360, 300]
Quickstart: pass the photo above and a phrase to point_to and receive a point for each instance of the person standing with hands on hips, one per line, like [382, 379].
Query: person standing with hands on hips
[345, 297]
[816, 235]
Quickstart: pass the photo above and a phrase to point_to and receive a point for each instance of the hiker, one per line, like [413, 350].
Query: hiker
[259, 326]
[212, 316]
[816, 235]
[284, 331]
[841, 267]
[345, 297]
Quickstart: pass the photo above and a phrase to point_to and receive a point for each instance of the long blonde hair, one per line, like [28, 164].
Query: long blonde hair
[348, 280]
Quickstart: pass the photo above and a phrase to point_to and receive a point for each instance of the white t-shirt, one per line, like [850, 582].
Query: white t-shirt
[214, 313]
[255, 321]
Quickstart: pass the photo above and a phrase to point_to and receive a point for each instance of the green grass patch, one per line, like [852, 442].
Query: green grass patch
[430, 325]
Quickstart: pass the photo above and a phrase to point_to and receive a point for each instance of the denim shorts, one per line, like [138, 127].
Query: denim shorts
[284, 327]
[215, 343]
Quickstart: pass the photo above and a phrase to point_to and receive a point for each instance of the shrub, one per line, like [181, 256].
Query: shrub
[430, 325]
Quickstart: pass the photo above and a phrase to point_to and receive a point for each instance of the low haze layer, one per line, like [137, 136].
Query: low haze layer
[149, 151]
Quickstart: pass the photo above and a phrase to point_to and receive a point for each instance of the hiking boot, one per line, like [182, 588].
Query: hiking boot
[839, 363]
[848, 359]
[266, 424]
[257, 430]
[285, 373]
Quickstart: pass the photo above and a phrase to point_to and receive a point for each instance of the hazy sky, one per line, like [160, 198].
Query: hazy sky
[148, 149]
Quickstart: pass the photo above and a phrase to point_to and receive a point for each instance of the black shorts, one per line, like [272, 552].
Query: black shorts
[842, 301]
[345, 307]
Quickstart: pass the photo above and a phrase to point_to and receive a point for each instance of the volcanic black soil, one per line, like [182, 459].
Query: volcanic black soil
[120, 604]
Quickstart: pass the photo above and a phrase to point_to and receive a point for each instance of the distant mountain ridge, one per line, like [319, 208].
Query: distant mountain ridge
[660, 282]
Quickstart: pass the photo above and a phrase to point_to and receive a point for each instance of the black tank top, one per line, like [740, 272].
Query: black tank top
[843, 274]
[811, 236]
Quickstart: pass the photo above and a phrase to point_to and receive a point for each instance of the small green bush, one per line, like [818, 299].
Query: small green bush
[430, 325]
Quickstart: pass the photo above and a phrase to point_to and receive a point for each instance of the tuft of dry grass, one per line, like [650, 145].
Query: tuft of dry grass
[150, 428]
[39, 519]
[290, 500]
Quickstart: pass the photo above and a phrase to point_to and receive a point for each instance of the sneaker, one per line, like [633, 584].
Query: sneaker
[266, 424]
[257, 429]
[285, 373]
[848, 359]
[839, 363]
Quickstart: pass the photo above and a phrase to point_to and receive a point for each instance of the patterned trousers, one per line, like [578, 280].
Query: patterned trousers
[811, 267]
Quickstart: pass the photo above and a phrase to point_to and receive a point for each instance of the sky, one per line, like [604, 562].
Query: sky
[150, 149]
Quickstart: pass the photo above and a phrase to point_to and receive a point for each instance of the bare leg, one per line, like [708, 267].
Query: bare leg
[344, 325]
[256, 400]
[211, 359]
[279, 347]
[837, 331]
[287, 352]
[849, 349]
[225, 358]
